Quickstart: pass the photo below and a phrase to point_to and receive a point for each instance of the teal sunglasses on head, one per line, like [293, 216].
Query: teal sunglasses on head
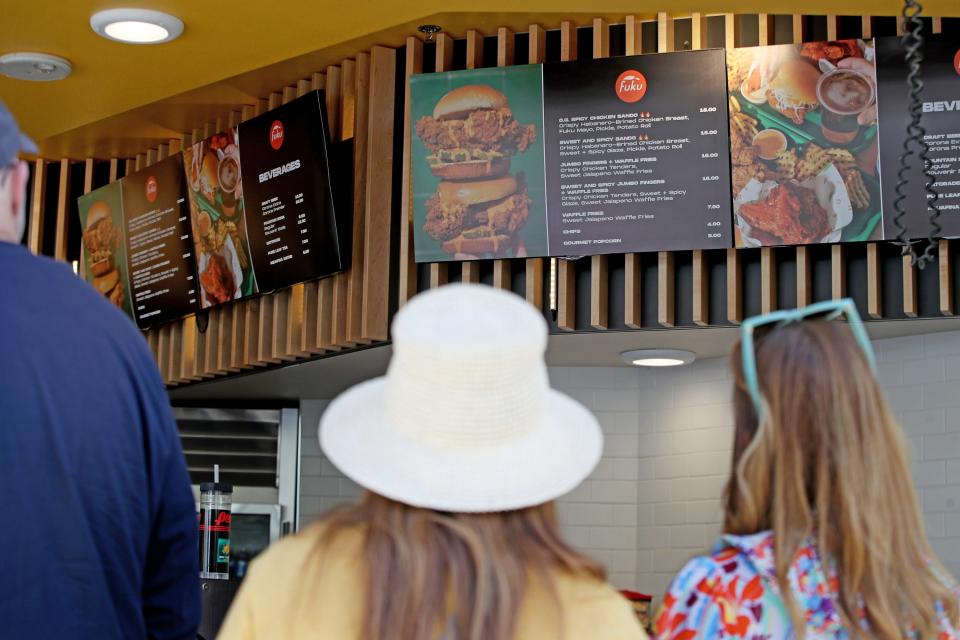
[826, 310]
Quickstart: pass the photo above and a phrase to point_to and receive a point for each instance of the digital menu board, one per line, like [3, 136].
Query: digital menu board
[217, 219]
[568, 159]
[104, 251]
[636, 153]
[182, 235]
[803, 143]
[941, 121]
[291, 221]
[162, 268]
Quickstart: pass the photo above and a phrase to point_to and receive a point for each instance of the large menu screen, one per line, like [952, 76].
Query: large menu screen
[245, 210]
[636, 153]
[286, 180]
[940, 119]
[577, 158]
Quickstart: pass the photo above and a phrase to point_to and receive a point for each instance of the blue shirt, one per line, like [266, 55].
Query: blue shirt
[97, 521]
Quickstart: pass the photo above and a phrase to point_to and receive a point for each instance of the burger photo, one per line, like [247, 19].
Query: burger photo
[100, 240]
[793, 91]
[478, 217]
[473, 134]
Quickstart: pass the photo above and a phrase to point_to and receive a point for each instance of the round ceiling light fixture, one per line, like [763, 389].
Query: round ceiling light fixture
[136, 26]
[39, 67]
[658, 357]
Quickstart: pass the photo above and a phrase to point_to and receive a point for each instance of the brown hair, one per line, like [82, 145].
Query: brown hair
[429, 569]
[829, 460]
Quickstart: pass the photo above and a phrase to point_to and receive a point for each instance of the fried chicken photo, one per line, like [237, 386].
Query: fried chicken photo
[789, 213]
[472, 134]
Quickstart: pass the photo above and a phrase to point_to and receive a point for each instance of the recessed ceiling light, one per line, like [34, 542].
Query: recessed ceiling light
[39, 67]
[136, 26]
[658, 357]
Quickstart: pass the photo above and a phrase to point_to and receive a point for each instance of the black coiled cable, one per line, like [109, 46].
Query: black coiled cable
[912, 42]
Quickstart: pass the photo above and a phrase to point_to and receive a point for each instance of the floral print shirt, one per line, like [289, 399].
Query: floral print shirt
[733, 593]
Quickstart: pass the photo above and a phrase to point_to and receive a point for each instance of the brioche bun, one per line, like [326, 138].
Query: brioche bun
[478, 246]
[478, 192]
[105, 283]
[461, 101]
[797, 82]
[98, 211]
[472, 169]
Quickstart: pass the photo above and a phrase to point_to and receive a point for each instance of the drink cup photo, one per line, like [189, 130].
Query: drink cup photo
[844, 94]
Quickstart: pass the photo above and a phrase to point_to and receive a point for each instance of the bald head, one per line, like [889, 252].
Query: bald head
[13, 201]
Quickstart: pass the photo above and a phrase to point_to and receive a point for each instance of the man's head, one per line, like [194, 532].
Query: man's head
[13, 177]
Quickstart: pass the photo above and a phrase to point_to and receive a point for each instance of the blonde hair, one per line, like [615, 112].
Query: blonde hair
[829, 460]
[430, 570]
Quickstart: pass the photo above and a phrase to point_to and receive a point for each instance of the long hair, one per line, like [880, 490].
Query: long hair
[829, 460]
[430, 571]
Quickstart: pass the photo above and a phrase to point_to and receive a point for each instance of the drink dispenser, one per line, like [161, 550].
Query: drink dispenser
[215, 515]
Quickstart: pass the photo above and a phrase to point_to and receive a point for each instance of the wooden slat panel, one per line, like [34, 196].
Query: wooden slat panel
[665, 31]
[173, 356]
[599, 292]
[533, 269]
[765, 31]
[408, 266]
[88, 175]
[838, 273]
[354, 311]
[324, 336]
[63, 210]
[909, 274]
[310, 333]
[666, 283]
[443, 62]
[701, 281]
[804, 277]
[505, 53]
[225, 339]
[474, 49]
[211, 344]
[566, 280]
[666, 289]
[151, 158]
[866, 26]
[874, 285]
[188, 350]
[599, 272]
[731, 30]
[632, 286]
[376, 268]
[251, 333]
[832, 25]
[946, 278]
[348, 88]
[38, 204]
[768, 280]
[114, 169]
[701, 290]
[296, 309]
[799, 30]
[734, 287]
[152, 344]
[470, 272]
[634, 36]
[162, 334]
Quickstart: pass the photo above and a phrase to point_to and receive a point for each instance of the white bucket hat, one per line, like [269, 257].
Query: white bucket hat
[465, 419]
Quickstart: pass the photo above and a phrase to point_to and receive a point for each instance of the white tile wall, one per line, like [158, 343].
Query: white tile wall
[654, 500]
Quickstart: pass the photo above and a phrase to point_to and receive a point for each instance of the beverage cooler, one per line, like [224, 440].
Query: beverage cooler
[256, 453]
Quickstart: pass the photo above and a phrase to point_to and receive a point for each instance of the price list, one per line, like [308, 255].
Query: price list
[636, 154]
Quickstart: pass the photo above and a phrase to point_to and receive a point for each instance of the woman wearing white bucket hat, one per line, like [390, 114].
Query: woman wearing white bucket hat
[462, 447]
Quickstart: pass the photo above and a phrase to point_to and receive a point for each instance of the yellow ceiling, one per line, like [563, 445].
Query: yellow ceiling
[231, 53]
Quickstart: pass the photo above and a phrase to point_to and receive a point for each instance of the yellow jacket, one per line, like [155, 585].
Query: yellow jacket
[292, 592]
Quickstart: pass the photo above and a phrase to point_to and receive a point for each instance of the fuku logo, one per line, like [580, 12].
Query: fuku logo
[631, 86]
[151, 189]
[956, 62]
[276, 134]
